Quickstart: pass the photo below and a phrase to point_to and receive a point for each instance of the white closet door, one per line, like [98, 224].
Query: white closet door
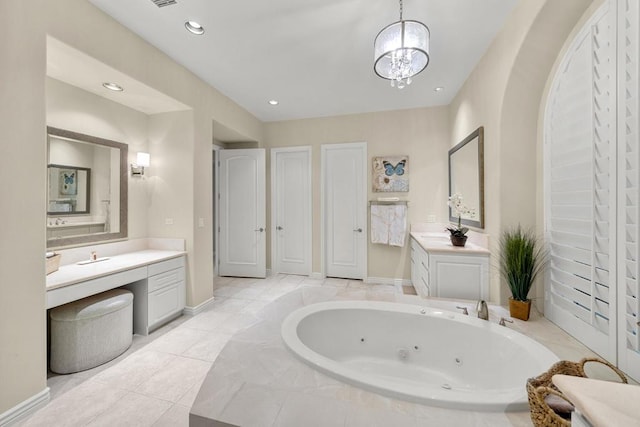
[291, 210]
[344, 199]
[580, 193]
[242, 213]
[628, 184]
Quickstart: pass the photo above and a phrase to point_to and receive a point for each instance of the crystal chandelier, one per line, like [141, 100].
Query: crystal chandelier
[401, 51]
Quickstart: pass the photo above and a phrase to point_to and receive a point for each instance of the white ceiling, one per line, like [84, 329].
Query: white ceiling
[314, 56]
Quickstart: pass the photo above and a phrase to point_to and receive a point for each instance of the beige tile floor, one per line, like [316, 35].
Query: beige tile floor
[156, 381]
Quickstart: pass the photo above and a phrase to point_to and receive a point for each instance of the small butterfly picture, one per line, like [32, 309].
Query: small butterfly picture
[390, 174]
[391, 170]
[69, 177]
[68, 182]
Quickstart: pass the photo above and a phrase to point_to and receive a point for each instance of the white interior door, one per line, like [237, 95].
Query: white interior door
[291, 210]
[344, 200]
[242, 239]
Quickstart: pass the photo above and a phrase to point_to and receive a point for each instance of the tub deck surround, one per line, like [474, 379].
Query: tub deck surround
[255, 370]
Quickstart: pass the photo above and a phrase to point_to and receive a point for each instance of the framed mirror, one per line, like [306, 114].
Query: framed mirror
[86, 188]
[466, 178]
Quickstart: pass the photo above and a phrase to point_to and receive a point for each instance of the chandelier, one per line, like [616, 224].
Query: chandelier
[401, 51]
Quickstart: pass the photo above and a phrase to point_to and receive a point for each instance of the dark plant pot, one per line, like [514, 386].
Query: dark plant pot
[458, 240]
[519, 309]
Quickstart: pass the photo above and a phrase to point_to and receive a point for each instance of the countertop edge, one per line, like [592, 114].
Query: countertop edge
[161, 257]
[423, 242]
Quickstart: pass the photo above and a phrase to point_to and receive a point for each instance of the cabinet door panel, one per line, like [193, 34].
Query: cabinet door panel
[165, 302]
[459, 276]
[458, 280]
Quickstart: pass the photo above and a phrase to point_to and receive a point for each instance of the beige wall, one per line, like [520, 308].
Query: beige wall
[423, 134]
[22, 221]
[503, 94]
[171, 141]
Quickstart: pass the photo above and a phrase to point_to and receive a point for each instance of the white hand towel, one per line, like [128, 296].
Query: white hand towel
[379, 224]
[397, 225]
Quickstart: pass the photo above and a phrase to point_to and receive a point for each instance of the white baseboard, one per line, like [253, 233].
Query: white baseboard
[387, 281]
[316, 275]
[192, 311]
[24, 409]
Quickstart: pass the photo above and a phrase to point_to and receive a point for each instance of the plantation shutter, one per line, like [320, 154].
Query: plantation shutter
[580, 189]
[628, 215]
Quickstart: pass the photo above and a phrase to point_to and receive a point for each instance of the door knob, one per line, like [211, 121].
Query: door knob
[259, 229]
[279, 228]
[359, 230]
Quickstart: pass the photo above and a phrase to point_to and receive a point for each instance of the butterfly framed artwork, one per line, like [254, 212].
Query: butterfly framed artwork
[68, 185]
[390, 174]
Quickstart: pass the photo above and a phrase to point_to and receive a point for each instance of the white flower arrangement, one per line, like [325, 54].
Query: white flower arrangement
[458, 208]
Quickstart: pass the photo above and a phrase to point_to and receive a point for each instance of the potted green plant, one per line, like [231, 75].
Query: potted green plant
[521, 260]
[458, 235]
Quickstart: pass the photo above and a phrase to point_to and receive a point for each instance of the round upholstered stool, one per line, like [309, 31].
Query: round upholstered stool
[91, 331]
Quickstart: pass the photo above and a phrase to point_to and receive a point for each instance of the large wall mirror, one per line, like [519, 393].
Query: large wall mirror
[86, 188]
[466, 177]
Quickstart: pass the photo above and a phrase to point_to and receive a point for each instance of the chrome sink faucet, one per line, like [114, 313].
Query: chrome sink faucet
[483, 310]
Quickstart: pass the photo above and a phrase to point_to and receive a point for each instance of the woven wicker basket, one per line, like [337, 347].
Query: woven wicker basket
[540, 387]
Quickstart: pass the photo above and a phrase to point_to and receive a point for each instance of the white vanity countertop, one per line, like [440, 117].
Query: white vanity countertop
[71, 274]
[603, 403]
[440, 242]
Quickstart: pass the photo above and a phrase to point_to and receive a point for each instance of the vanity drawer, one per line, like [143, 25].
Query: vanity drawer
[166, 278]
[414, 250]
[165, 302]
[161, 267]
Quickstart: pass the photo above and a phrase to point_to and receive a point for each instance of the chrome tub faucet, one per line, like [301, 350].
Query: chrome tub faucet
[483, 310]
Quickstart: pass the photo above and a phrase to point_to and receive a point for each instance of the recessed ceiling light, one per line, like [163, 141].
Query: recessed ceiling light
[273, 102]
[194, 27]
[438, 89]
[113, 86]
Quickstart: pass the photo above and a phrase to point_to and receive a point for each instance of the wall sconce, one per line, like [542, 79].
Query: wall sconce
[142, 161]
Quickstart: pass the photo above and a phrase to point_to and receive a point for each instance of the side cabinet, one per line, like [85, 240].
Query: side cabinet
[449, 275]
[420, 269]
[166, 287]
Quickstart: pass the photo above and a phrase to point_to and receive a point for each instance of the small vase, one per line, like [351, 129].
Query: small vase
[458, 240]
[519, 309]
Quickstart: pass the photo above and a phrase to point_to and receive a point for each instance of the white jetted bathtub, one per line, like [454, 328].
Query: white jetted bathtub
[423, 355]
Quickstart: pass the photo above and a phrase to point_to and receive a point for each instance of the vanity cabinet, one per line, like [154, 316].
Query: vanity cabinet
[155, 277]
[160, 296]
[419, 269]
[166, 288]
[452, 273]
